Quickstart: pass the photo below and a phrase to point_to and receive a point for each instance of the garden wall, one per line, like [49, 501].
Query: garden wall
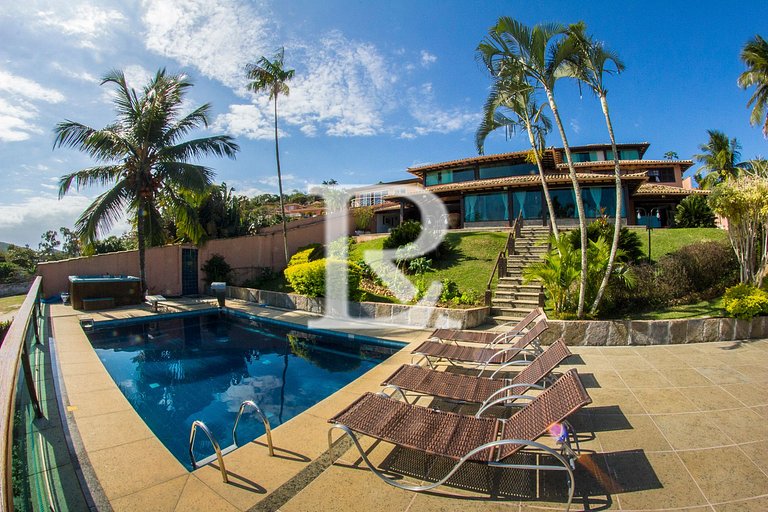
[163, 264]
[433, 317]
[8, 289]
[655, 332]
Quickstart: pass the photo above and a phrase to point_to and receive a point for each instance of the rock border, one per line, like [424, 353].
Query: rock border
[418, 316]
[654, 332]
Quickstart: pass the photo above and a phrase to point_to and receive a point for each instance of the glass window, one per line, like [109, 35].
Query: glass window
[581, 156]
[597, 201]
[448, 176]
[624, 154]
[527, 202]
[563, 202]
[507, 170]
[486, 207]
[661, 175]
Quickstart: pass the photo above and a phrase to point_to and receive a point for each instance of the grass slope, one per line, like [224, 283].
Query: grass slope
[664, 241]
[10, 304]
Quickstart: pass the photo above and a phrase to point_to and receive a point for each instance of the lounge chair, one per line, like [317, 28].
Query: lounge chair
[473, 439]
[435, 352]
[488, 337]
[488, 392]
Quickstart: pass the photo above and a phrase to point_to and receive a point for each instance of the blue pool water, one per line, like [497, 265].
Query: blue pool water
[202, 367]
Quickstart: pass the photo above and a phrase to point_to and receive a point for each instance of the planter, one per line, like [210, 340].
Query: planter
[421, 317]
[654, 332]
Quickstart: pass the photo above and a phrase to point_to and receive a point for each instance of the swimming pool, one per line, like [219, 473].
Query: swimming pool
[202, 367]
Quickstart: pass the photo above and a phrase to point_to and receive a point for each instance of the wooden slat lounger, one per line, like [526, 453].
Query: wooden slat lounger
[435, 351]
[465, 388]
[469, 438]
[486, 337]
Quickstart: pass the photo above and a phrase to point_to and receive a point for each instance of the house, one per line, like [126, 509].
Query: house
[492, 190]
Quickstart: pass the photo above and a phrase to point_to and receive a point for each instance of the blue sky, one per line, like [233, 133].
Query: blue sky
[379, 87]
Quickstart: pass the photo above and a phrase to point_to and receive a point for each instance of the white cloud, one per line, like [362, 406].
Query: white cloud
[344, 89]
[84, 23]
[82, 76]
[17, 106]
[575, 126]
[218, 37]
[427, 59]
[430, 118]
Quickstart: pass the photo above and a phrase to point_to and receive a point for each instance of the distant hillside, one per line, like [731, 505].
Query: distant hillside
[4, 246]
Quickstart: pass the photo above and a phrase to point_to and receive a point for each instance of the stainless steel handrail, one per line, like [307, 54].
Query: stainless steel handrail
[264, 419]
[199, 424]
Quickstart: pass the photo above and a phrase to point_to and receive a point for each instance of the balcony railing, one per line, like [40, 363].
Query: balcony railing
[14, 358]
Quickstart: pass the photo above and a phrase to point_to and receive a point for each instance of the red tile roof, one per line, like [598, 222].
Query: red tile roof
[684, 164]
[655, 189]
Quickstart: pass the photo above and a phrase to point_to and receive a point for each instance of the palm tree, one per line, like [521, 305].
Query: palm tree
[516, 96]
[271, 75]
[589, 65]
[719, 158]
[512, 47]
[755, 56]
[144, 160]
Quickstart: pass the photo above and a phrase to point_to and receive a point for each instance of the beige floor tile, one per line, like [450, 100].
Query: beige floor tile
[666, 361]
[762, 410]
[630, 362]
[624, 399]
[758, 453]
[710, 398]
[684, 377]
[196, 496]
[641, 434]
[748, 394]
[753, 505]
[87, 382]
[688, 431]
[94, 403]
[742, 425]
[664, 400]
[112, 429]
[724, 375]
[341, 489]
[644, 379]
[754, 372]
[676, 489]
[131, 467]
[606, 379]
[159, 498]
[81, 368]
[725, 474]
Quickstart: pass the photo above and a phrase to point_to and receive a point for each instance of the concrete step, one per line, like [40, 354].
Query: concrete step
[503, 295]
[513, 312]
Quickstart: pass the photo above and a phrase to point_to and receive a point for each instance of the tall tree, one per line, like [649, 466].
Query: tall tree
[719, 159]
[515, 96]
[589, 65]
[540, 53]
[755, 57]
[271, 75]
[144, 161]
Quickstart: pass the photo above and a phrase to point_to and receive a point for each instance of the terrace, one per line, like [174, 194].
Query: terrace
[669, 427]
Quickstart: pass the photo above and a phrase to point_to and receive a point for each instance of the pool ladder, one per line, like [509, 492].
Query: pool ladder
[219, 453]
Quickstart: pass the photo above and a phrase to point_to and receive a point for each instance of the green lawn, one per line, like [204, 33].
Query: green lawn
[706, 308]
[10, 304]
[664, 241]
[470, 264]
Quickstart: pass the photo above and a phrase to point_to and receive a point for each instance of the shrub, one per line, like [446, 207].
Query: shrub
[629, 241]
[306, 254]
[363, 216]
[694, 212]
[4, 326]
[745, 301]
[10, 272]
[405, 233]
[309, 278]
[450, 291]
[335, 249]
[710, 266]
[217, 269]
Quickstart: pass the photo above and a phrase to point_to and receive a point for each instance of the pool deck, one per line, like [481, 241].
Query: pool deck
[670, 428]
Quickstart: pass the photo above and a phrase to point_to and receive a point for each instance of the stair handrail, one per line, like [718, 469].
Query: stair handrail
[264, 420]
[199, 424]
[501, 263]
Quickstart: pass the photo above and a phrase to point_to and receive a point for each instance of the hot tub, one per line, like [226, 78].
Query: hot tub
[104, 292]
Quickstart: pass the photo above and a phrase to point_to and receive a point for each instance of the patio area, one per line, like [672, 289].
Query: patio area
[670, 427]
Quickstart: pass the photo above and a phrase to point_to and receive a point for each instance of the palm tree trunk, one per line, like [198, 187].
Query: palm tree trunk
[280, 188]
[579, 201]
[140, 240]
[617, 222]
[544, 185]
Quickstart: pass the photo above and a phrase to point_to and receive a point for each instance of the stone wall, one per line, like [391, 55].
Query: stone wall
[429, 317]
[8, 289]
[655, 332]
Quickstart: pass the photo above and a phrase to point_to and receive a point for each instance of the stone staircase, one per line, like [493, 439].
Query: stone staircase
[512, 299]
